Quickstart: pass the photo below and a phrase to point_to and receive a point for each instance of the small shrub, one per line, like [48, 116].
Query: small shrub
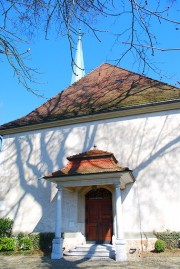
[160, 245]
[20, 235]
[6, 227]
[25, 243]
[7, 244]
[42, 241]
[46, 241]
[35, 239]
[170, 238]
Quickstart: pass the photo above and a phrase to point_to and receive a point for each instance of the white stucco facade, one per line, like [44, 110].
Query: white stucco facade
[149, 144]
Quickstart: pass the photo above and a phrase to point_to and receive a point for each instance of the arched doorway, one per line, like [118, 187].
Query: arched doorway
[99, 226]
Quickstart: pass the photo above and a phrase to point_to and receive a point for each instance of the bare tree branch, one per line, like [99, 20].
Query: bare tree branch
[21, 19]
[154, 48]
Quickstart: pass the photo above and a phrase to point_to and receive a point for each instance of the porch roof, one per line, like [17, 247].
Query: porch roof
[93, 164]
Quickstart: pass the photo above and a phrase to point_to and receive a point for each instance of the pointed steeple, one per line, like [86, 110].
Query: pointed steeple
[78, 66]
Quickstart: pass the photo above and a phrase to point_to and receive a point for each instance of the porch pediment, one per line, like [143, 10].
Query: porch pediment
[94, 167]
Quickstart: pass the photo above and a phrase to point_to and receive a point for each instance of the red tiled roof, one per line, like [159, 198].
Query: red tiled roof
[90, 162]
[107, 88]
[95, 153]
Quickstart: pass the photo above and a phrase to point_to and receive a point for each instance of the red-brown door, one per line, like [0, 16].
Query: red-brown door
[99, 220]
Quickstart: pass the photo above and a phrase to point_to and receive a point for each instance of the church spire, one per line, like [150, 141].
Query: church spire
[78, 66]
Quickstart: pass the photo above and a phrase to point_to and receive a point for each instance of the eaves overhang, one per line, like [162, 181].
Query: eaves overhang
[109, 178]
[115, 113]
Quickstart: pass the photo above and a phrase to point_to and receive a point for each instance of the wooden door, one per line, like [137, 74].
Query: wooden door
[99, 221]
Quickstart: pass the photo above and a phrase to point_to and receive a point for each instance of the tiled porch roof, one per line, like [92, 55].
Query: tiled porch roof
[90, 162]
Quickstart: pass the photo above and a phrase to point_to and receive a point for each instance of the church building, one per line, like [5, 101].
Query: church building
[98, 163]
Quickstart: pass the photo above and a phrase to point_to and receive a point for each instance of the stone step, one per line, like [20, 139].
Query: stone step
[92, 251]
[95, 247]
[90, 255]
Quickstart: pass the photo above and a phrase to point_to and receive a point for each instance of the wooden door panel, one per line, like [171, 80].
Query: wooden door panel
[92, 232]
[93, 215]
[105, 232]
[106, 220]
[91, 220]
[99, 220]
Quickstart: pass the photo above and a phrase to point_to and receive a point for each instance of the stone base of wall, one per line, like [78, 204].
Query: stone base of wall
[137, 246]
[140, 243]
[71, 240]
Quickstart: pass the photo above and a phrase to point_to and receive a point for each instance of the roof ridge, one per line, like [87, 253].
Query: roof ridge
[142, 75]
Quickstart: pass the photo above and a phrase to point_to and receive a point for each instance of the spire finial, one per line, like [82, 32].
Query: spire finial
[78, 66]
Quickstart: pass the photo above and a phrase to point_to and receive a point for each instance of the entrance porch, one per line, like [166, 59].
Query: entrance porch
[97, 180]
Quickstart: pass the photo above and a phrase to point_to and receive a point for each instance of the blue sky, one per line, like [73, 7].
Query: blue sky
[52, 59]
